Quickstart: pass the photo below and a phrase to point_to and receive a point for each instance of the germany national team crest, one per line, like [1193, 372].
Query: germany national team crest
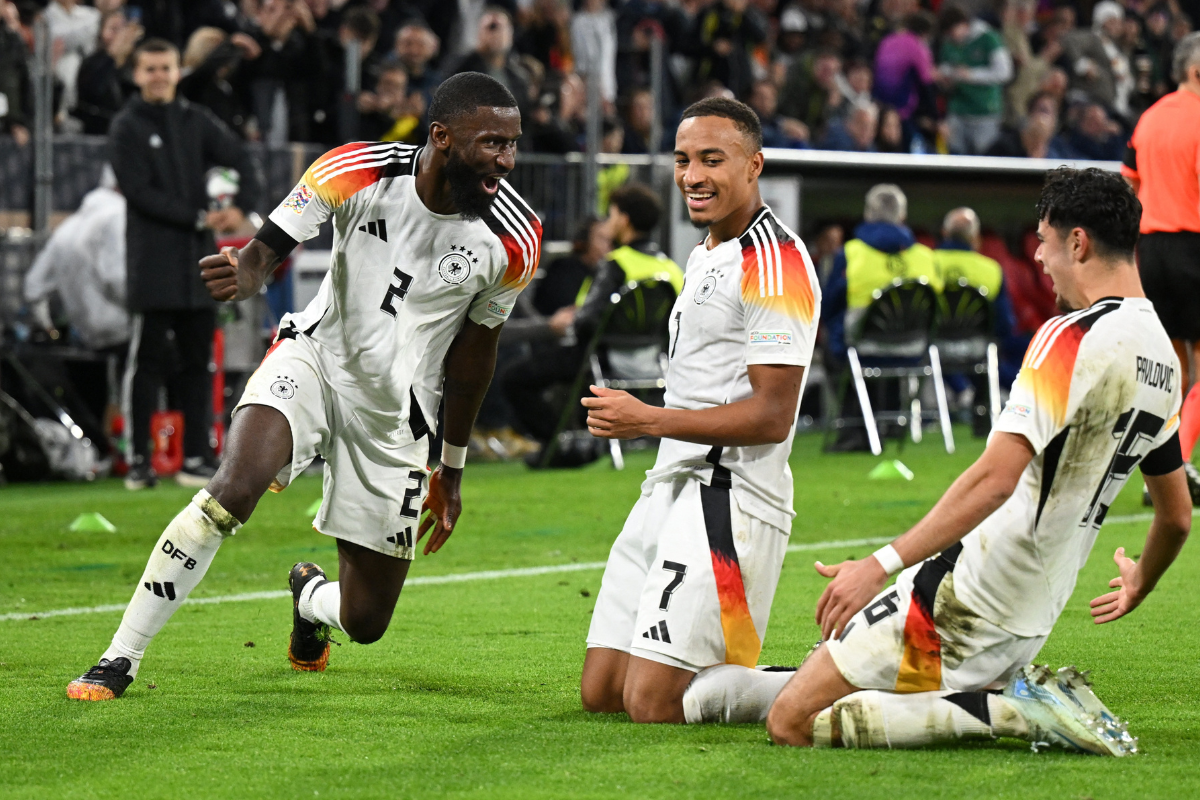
[705, 289]
[455, 266]
[284, 387]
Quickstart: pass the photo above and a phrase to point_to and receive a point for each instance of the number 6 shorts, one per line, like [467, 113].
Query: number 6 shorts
[373, 487]
[690, 579]
[917, 636]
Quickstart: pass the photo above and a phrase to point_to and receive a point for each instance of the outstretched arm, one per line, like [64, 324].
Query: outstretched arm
[765, 417]
[1168, 531]
[971, 499]
[469, 367]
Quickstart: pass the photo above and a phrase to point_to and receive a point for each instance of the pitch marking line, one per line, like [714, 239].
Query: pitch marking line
[423, 580]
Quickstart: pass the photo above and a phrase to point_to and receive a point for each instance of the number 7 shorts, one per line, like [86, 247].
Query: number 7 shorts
[917, 636]
[373, 487]
[690, 579]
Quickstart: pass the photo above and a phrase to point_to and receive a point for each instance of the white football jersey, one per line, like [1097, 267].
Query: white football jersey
[751, 300]
[402, 281]
[1098, 391]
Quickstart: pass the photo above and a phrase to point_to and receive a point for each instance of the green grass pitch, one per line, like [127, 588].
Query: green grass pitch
[473, 692]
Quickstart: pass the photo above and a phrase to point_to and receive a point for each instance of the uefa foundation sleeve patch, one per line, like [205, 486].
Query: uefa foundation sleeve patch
[298, 199]
[770, 337]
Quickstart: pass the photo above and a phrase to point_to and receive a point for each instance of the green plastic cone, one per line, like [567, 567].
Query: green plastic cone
[313, 509]
[92, 522]
[890, 470]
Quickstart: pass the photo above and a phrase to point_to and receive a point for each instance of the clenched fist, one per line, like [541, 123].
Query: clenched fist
[220, 274]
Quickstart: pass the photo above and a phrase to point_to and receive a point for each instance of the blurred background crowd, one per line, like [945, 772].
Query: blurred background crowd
[1031, 78]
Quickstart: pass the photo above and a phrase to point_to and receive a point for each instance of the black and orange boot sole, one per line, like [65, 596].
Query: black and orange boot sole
[308, 648]
[108, 680]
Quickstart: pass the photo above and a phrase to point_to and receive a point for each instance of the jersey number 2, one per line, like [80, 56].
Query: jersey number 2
[394, 291]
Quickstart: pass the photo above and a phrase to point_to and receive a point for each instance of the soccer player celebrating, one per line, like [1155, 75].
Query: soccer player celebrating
[431, 248]
[690, 579]
[991, 567]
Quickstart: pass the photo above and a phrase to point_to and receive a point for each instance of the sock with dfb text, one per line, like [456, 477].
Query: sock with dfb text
[180, 558]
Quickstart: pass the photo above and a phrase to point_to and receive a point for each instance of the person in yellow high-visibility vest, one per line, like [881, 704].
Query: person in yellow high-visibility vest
[956, 258]
[634, 212]
[883, 249]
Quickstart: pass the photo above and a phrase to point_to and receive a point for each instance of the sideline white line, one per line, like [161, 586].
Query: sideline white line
[422, 580]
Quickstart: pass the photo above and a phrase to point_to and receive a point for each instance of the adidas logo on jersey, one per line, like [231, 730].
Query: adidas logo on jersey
[658, 632]
[375, 228]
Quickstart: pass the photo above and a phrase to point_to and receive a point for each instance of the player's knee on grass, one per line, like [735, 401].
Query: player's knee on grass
[789, 723]
[364, 626]
[602, 685]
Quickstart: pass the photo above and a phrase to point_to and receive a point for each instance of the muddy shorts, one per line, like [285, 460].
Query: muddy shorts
[916, 636]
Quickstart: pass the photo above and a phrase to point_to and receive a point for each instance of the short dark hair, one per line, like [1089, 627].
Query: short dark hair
[1099, 201]
[362, 22]
[951, 17]
[638, 202]
[461, 94]
[742, 116]
[154, 45]
[920, 23]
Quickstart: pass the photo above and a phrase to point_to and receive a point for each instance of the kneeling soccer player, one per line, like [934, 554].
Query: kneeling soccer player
[689, 582]
[1097, 395]
[431, 248]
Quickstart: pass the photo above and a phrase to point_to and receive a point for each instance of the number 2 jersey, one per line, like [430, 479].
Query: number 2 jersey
[402, 281]
[1097, 395]
[750, 300]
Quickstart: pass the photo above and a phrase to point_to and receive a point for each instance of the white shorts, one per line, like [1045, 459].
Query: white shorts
[917, 636]
[690, 580]
[373, 488]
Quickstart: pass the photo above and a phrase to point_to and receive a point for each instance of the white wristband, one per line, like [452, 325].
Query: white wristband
[453, 456]
[889, 559]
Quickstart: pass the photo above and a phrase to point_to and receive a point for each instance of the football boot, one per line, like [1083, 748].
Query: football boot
[308, 649]
[1061, 709]
[108, 680]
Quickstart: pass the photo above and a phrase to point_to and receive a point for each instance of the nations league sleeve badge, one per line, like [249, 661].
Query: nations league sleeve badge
[455, 266]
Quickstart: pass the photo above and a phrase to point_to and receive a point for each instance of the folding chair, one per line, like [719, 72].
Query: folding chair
[891, 340]
[963, 334]
[631, 340]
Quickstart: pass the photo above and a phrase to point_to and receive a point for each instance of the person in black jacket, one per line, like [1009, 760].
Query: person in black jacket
[161, 147]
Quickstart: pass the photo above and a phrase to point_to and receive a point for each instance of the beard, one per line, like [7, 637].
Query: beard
[1063, 305]
[466, 188]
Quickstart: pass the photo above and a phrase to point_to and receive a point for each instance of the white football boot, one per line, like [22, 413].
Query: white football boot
[1062, 709]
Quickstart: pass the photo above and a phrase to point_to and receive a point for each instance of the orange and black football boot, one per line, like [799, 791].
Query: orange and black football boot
[308, 649]
[108, 680]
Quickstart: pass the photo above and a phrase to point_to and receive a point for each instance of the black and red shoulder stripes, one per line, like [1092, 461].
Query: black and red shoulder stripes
[520, 230]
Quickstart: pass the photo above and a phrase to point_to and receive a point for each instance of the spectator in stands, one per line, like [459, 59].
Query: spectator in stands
[1093, 135]
[1108, 25]
[638, 122]
[905, 75]
[74, 30]
[161, 148]
[1161, 164]
[856, 132]
[594, 46]
[638, 23]
[215, 64]
[810, 93]
[792, 38]
[634, 213]
[15, 107]
[890, 137]
[1035, 138]
[416, 48]
[105, 81]
[883, 249]
[1030, 67]
[974, 66]
[856, 84]
[285, 85]
[777, 130]
[556, 123]
[1087, 57]
[546, 34]
[958, 262]
[391, 113]
[724, 35]
[493, 56]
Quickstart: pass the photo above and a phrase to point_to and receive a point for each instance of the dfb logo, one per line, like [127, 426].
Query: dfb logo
[178, 555]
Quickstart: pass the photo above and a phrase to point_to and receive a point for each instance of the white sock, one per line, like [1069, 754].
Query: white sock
[322, 603]
[180, 558]
[732, 693]
[874, 719]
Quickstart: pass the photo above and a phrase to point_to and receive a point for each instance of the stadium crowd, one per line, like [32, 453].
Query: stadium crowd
[1011, 77]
